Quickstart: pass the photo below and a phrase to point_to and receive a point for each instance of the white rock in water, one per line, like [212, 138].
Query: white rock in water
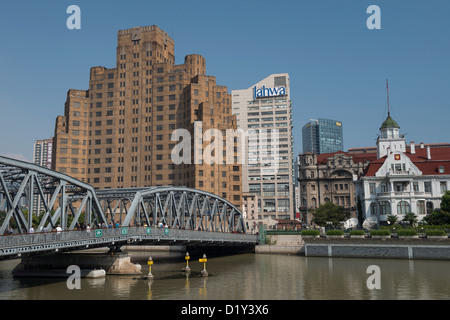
[100, 273]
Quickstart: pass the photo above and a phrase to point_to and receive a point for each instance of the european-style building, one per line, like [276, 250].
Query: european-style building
[329, 177]
[403, 178]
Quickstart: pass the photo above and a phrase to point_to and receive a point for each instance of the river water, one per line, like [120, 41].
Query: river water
[246, 277]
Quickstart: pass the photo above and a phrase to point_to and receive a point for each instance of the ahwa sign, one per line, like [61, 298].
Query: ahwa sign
[268, 92]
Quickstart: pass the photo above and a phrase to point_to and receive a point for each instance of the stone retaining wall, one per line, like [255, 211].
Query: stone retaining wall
[394, 248]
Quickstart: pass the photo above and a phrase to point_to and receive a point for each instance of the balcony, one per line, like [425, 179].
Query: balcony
[400, 194]
[399, 173]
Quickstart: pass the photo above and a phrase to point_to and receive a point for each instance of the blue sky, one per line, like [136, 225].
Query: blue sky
[337, 66]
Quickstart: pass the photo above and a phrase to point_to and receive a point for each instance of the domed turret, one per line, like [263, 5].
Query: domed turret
[390, 139]
[389, 123]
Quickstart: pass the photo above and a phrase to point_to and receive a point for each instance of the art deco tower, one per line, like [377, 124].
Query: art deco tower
[118, 134]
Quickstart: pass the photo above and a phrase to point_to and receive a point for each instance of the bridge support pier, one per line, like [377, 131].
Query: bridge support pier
[55, 265]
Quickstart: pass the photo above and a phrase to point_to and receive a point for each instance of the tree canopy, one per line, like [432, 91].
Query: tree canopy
[440, 216]
[329, 213]
[445, 202]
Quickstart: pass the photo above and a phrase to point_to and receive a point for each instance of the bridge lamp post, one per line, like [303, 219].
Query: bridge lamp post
[150, 262]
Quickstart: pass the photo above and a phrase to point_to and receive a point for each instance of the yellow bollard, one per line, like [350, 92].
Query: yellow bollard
[187, 257]
[204, 272]
[150, 262]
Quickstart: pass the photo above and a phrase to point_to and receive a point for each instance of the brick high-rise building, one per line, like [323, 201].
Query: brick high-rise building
[118, 134]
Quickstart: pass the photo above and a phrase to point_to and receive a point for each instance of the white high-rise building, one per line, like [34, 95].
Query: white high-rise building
[264, 112]
[42, 156]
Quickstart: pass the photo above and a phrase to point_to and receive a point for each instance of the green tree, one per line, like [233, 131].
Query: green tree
[411, 218]
[445, 202]
[438, 217]
[360, 211]
[392, 219]
[329, 213]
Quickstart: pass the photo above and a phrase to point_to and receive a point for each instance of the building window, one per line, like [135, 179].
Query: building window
[403, 207]
[443, 187]
[372, 188]
[373, 209]
[283, 205]
[255, 189]
[269, 206]
[385, 208]
[427, 186]
[269, 189]
[420, 207]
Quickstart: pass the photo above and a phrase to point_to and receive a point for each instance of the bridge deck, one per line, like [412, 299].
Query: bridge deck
[16, 246]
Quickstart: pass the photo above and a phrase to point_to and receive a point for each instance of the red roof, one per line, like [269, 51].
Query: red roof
[357, 157]
[439, 157]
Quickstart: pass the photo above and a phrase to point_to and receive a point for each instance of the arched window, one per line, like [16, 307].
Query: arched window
[313, 202]
[403, 207]
[420, 207]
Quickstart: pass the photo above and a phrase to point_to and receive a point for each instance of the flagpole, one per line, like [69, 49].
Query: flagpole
[387, 89]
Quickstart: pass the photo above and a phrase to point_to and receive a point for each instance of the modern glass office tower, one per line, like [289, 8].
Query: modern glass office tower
[264, 112]
[323, 136]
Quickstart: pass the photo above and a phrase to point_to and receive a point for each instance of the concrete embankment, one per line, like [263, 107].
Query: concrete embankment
[282, 244]
[393, 248]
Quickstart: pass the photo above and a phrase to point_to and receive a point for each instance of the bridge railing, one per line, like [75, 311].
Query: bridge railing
[107, 235]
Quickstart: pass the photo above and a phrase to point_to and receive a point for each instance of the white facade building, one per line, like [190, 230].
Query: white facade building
[403, 179]
[264, 112]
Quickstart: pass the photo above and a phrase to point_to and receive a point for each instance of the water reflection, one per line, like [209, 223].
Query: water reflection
[247, 277]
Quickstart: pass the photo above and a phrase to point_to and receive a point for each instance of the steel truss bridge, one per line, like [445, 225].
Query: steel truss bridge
[57, 205]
